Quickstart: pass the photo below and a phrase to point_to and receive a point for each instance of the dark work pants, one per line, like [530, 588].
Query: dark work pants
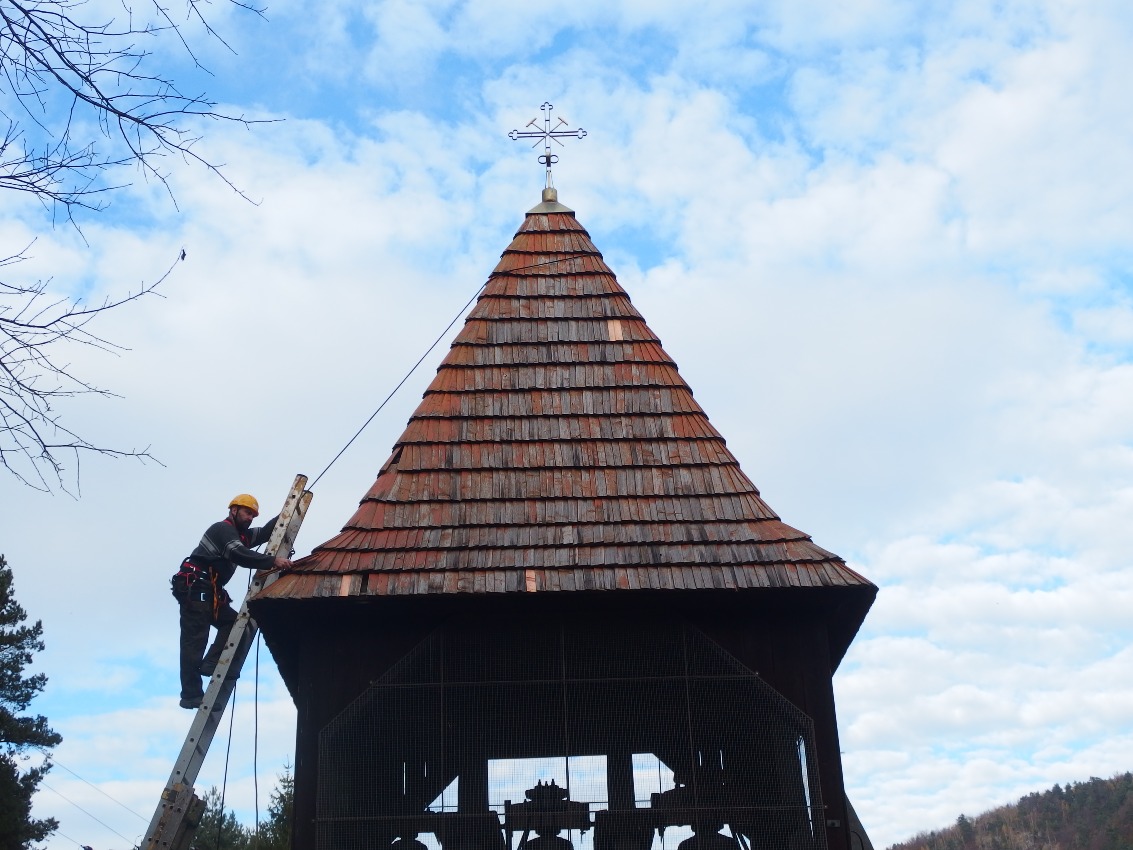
[196, 618]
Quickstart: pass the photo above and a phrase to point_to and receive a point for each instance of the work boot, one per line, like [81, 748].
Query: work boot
[209, 667]
[191, 702]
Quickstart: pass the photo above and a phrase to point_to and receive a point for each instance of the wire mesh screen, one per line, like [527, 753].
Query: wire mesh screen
[558, 736]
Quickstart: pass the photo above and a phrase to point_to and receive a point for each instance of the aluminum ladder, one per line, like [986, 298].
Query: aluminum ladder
[179, 811]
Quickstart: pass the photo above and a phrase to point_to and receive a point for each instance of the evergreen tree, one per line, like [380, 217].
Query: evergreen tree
[19, 732]
[967, 831]
[219, 829]
[275, 833]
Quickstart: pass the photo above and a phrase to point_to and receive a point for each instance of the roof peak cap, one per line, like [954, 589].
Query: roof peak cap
[550, 203]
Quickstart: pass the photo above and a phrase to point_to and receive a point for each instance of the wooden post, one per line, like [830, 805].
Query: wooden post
[619, 781]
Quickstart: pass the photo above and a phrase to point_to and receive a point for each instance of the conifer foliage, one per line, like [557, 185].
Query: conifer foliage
[1092, 815]
[19, 732]
[275, 834]
[220, 830]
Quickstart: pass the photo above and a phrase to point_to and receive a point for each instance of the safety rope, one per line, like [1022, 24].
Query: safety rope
[256, 742]
[224, 782]
[429, 350]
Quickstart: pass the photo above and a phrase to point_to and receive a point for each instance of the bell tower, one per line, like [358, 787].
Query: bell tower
[562, 616]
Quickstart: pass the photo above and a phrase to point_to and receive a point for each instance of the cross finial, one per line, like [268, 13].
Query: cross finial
[547, 134]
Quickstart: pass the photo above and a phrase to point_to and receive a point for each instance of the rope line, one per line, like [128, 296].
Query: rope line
[256, 742]
[62, 834]
[224, 782]
[400, 383]
[58, 763]
[84, 811]
[429, 350]
[538, 265]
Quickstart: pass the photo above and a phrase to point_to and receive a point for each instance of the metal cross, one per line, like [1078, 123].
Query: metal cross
[547, 134]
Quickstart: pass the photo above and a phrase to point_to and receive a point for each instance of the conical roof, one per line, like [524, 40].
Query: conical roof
[558, 449]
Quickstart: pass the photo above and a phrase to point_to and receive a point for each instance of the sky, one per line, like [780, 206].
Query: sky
[888, 244]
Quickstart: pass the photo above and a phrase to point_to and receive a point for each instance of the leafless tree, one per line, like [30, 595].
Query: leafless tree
[66, 73]
[82, 106]
[37, 333]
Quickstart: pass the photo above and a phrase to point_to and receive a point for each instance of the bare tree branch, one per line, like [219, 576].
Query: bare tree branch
[63, 74]
[80, 102]
[37, 332]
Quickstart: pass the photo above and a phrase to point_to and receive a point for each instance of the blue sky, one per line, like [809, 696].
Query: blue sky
[887, 243]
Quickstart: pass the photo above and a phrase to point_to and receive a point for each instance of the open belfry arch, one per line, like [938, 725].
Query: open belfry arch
[562, 608]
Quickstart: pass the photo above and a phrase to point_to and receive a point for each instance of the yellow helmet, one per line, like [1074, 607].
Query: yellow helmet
[245, 501]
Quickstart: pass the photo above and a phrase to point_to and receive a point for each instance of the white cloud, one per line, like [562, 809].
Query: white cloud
[901, 294]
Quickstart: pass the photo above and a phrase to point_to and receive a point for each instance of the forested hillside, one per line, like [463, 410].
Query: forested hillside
[1092, 815]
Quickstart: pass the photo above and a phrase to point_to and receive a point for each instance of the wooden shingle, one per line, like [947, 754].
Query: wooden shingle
[558, 450]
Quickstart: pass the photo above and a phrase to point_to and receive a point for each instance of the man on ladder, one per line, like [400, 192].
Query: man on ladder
[179, 810]
[199, 589]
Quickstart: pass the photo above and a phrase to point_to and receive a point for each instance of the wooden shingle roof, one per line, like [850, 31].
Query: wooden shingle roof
[559, 449]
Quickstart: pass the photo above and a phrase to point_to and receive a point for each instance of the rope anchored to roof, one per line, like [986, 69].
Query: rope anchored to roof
[547, 134]
[429, 350]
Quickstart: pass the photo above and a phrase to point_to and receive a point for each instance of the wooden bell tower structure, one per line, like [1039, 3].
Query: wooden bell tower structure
[561, 569]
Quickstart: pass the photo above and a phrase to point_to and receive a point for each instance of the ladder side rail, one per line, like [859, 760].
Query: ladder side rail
[178, 790]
